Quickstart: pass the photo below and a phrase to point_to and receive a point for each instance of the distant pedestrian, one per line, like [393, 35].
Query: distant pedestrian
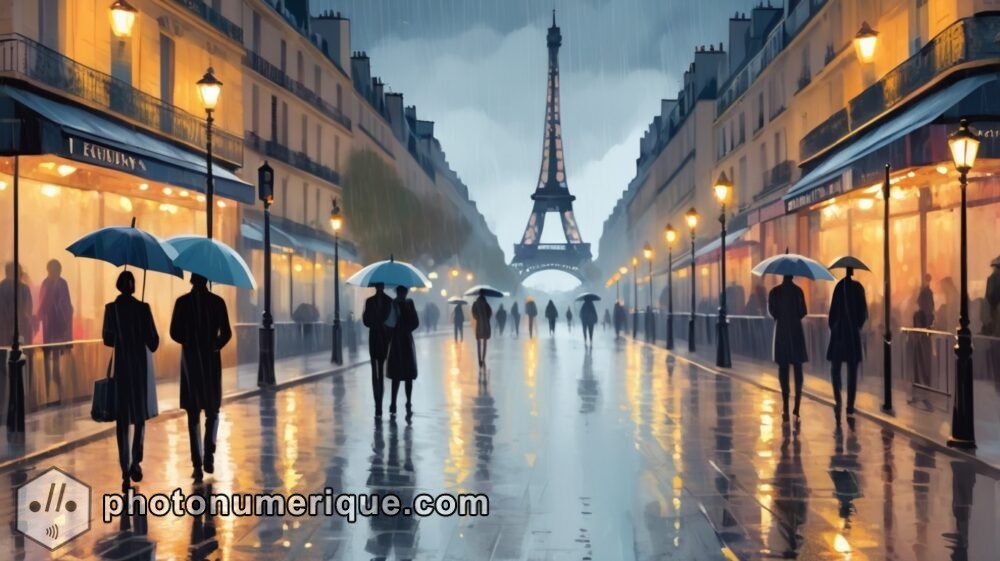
[757, 301]
[606, 321]
[787, 305]
[458, 322]
[26, 321]
[569, 319]
[431, 316]
[482, 313]
[588, 318]
[531, 310]
[402, 363]
[55, 311]
[551, 314]
[129, 328]
[848, 314]
[621, 316]
[515, 320]
[374, 316]
[352, 333]
[501, 318]
[992, 320]
[200, 323]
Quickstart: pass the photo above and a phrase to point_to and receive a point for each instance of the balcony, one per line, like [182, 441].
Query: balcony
[278, 76]
[214, 18]
[295, 159]
[24, 59]
[778, 176]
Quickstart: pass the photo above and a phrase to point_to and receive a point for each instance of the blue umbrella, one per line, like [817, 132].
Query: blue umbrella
[121, 245]
[390, 273]
[588, 297]
[213, 260]
[485, 290]
[793, 264]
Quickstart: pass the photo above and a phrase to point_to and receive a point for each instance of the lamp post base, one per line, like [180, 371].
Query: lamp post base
[337, 354]
[691, 345]
[265, 365]
[670, 332]
[15, 395]
[963, 431]
[723, 357]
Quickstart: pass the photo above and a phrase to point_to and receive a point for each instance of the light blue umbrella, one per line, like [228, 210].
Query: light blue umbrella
[125, 245]
[213, 260]
[793, 264]
[390, 273]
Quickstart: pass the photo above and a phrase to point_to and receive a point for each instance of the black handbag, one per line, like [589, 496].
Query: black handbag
[104, 405]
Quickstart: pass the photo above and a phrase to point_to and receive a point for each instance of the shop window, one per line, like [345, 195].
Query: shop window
[48, 23]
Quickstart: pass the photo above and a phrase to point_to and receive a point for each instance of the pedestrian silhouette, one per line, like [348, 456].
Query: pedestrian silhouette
[757, 301]
[531, 310]
[352, 334]
[991, 321]
[588, 319]
[431, 313]
[402, 363]
[551, 314]
[200, 323]
[621, 316]
[482, 312]
[606, 321]
[787, 305]
[55, 311]
[25, 319]
[925, 300]
[458, 321]
[569, 319]
[375, 313]
[129, 328]
[501, 318]
[848, 314]
[515, 320]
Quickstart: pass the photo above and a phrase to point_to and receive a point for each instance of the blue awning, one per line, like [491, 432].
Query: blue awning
[922, 112]
[88, 137]
[255, 232]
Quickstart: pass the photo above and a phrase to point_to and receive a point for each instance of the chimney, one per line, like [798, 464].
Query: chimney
[394, 110]
[361, 71]
[378, 93]
[739, 29]
[707, 64]
[336, 30]
[410, 114]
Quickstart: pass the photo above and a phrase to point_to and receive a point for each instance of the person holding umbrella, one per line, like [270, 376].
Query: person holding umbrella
[373, 317]
[402, 360]
[531, 310]
[501, 318]
[482, 313]
[848, 314]
[515, 320]
[588, 316]
[551, 314]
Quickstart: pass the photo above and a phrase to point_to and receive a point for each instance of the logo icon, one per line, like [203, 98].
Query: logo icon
[53, 508]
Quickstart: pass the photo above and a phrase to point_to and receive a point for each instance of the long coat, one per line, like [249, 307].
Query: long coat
[402, 363]
[588, 313]
[374, 316]
[787, 305]
[26, 321]
[530, 308]
[55, 311]
[848, 313]
[501, 318]
[129, 328]
[551, 312]
[200, 323]
[482, 312]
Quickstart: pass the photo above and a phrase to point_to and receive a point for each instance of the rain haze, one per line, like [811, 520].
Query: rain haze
[481, 79]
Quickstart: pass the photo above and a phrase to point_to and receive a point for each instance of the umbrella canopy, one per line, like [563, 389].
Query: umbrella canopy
[485, 290]
[792, 264]
[390, 273]
[849, 262]
[126, 245]
[213, 260]
[457, 301]
[995, 262]
[588, 297]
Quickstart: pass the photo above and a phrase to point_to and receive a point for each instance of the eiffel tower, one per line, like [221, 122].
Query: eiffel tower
[552, 193]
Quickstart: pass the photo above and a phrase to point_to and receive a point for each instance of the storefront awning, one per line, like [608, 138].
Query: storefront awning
[255, 232]
[84, 136]
[815, 185]
[733, 240]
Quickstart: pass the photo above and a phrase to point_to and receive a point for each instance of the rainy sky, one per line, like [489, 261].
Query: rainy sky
[478, 69]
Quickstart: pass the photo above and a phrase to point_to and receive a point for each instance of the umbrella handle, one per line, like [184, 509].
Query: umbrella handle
[143, 283]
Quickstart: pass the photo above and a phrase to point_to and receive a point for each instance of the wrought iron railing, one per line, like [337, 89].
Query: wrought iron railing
[295, 159]
[23, 58]
[214, 18]
[261, 66]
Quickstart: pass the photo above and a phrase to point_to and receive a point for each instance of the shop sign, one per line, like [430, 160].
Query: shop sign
[93, 152]
[819, 193]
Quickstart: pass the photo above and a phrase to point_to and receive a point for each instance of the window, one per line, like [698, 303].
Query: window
[304, 145]
[256, 33]
[317, 81]
[319, 143]
[760, 111]
[305, 204]
[780, 154]
[48, 23]
[284, 55]
[300, 67]
[284, 123]
[167, 69]
[340, 98]
[255, 109]
[743, 129]
[274, 118]
[336, 152]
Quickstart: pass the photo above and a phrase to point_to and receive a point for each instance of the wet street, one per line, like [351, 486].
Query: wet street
[614, 453]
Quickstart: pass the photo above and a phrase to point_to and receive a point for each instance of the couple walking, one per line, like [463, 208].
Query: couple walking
[200, 323]
[391, 323]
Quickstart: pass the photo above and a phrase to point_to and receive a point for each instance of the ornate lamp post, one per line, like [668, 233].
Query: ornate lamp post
[635, 297]
[647, 252]
[265, 364]
[692, 221]
[209, 89]
[964, 144]
[122, 18]
[886, 298]
[865, 41]
[336, 223]
[723, 359]
[671, 236]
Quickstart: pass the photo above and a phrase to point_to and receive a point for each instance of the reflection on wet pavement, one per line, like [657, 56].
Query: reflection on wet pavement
[604, 454]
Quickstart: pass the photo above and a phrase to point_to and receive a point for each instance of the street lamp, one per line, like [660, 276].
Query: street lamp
[122, 18]
[723, 191]
[265, 365]
[692, 221]
[865, 41]
[671, 236]
[635, 297]
[964, 144]
[336, 223]
[209, 89]
[647, 252]
[468, 277]
[886, 298]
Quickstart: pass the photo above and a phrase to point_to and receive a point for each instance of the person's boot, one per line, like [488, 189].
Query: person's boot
[197, 475]
[135, 473]
[409, 412]
[798, 400]
[392, 410]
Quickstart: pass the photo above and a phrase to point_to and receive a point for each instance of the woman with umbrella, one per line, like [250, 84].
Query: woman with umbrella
[588, 316]
[848, 313]
[482, 313]
[402, 363]
[531, 310]
[551, 314]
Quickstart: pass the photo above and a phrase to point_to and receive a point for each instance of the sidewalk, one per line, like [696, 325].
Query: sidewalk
[927, 418]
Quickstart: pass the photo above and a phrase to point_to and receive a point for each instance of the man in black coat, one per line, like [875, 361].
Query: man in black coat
[200, 323]
[376, 312]
[848, 313]
[787, 305]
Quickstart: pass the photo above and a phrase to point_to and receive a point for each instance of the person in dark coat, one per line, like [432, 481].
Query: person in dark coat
[55, 311]
[375, 313]
[607, 320]
[129, 328]
[621, 316]
[588, 319]
[25, 318]
[531, 310]
[787, 305]
[200, 323]
[569, 319]
[848, 314]
[482, 313]
[515, 320]
[501, 318]
[458, 322]
[991, 320]
[402, 363]
[551, 314]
